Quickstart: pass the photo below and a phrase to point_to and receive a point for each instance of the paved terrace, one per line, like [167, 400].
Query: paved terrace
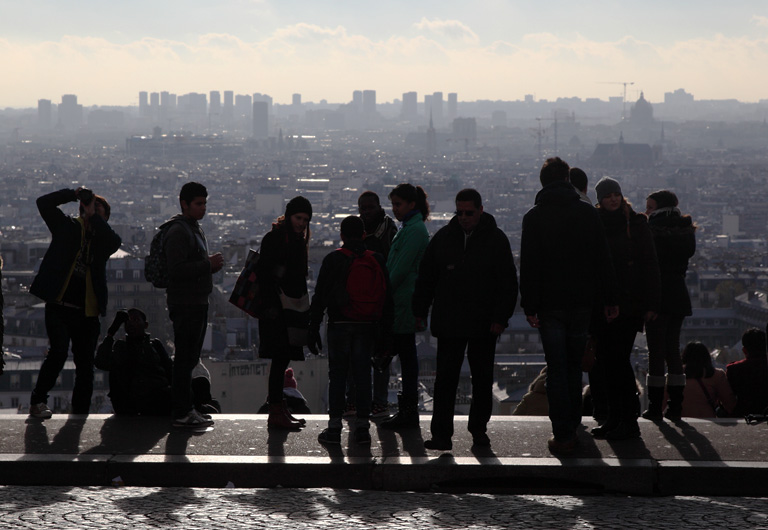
[692, 457]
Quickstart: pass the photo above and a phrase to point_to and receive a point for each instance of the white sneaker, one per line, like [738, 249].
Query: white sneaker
[193, 419]
[40, 410]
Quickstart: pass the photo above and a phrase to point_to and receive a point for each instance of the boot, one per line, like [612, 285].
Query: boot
[655, 388]
[407, 414]
[301, 421]
[675, 388]
[627, 429]
[279, 419]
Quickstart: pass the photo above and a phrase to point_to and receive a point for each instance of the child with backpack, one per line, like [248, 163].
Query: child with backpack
[353, 286]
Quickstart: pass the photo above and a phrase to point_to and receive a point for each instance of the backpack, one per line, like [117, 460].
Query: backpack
[362, 291]
[156, 264]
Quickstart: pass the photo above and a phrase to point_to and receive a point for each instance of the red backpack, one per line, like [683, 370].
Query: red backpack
[365, 289]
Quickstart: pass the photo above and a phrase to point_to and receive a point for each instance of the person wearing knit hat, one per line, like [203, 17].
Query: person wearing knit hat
[605, 187]
[282, 272]
[289, 381]
[612, 378]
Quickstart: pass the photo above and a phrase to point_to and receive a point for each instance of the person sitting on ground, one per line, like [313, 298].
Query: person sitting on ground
[294, 399]
[139, 367]
[749, 377]
[534, 402]
[706, 387]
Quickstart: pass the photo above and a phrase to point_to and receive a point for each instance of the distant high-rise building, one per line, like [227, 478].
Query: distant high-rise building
[369, 102]
[437, 109]
[70, 112]
[465, 130]
[243, 110]
[296, 100]
[260, 119]
[228, 112]
[154, 101]
[257, 96]
[453, 106]
[409, 111]
[499, 119]
[214, 108]
[357, 100]
[167, 104]
[143, 104]
[428, 108]
[44, 113]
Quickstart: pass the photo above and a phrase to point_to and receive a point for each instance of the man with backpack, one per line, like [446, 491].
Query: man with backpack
[190, 269]
[468, 276]
[353, 285]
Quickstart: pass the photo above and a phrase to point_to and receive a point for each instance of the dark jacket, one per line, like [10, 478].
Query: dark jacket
[564, 259]
[634, 260]
[189, 270]
[66, 238]
[282, 266]
[329, 279]
[748, 379]
[379, 238]
[675, 241]
[140, 372]
[468, 288]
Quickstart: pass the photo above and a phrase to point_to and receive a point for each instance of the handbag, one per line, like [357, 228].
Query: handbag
[246, 294]
[720, 411]
[296, 314]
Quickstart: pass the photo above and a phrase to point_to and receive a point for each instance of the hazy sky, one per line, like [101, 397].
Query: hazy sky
[107, 51]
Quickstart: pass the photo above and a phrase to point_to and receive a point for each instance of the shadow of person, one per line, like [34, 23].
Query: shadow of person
[276, 439]
[130, 435]
[66, 441]
[689, 442]
[413, 442]
[156, 506]
[178, 440]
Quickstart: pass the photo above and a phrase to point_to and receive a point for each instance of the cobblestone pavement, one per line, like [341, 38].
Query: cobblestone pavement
[134, 508]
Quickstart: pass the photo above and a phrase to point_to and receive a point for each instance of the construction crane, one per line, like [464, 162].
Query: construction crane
[624, 98]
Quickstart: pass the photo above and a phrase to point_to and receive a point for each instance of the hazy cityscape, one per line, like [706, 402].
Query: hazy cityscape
[254, 155]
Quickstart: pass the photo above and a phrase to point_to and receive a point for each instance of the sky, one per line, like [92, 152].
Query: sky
[108, 51]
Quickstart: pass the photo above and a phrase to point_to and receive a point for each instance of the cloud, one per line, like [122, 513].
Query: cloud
[759, 20]
[450, 29]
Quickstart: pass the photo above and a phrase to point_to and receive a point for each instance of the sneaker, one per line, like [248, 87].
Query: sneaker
[362, 436]
[40, 410]
[193, 419]
[331, 436]
[438, 445]
[560, 447]
[350, 410]
[379, 411]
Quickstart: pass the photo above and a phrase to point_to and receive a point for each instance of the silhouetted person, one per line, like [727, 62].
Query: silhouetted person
[580, 181]
[706, 387]
[73, 282]
[749, 377]
[565, 268]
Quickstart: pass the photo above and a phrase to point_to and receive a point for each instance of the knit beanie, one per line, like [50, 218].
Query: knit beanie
[298, 205]
[289, 381]
[605, 187]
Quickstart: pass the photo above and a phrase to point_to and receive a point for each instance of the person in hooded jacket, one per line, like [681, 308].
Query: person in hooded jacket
[675, 242]
[637, 272]
[469, 279]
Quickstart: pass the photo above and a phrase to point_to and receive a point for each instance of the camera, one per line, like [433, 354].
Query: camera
[85, 195]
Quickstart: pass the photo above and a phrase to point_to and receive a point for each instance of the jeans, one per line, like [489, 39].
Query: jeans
[350, 346]
[450, 357]
[404, 345]
[663, 336]
[563, 337]
[65, 324]
[190, 323]
[613, 364]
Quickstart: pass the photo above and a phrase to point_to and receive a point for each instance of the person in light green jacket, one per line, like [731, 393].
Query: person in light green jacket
[410, 207]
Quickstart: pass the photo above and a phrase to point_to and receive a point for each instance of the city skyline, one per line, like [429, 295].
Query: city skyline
[492, 50]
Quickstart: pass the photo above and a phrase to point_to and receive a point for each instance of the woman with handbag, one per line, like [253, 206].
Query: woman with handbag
[675, 241]
[707, 392]
[282, 274]
[637, 273]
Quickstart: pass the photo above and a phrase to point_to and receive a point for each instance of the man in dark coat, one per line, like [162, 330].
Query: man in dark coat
[468, 276]
[72, 280]
[565, 267]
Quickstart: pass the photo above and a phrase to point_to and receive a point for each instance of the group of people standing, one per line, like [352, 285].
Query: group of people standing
[602, 273]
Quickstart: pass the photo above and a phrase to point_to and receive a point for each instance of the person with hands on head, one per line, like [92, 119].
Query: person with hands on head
[469, 279]
[140, 369]
[72, 280]
[353, 286]
[190, 282]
